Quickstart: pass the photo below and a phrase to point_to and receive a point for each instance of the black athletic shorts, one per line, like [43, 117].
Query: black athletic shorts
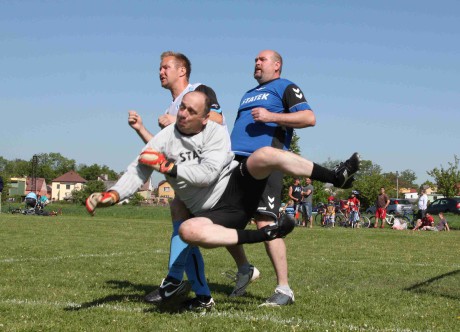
[239, 201]
[270, 200]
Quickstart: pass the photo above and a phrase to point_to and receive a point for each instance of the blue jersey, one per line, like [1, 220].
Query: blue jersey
[290, 211]
[278, 96]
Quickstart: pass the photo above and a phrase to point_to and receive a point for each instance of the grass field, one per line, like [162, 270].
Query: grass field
[76, 273]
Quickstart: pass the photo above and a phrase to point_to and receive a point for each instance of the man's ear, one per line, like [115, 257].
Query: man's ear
[205, 119]
[182, 71]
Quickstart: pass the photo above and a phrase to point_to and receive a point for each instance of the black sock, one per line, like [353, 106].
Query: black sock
[250, 236]
[204, 298]
[322, 174]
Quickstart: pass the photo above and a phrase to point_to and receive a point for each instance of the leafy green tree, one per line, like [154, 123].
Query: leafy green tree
[136, 199]
[52, 165]
[427, 184]
[3, 164]
[18, 168]
[407, 179]
[6, 185]
[94, 171]
[368, 182]
[319, 193]
[447, 179]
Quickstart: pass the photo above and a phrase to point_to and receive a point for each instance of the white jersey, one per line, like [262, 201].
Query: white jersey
[204, 164]
[174, 107]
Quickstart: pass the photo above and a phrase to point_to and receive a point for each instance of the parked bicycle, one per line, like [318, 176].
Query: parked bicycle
[408, 216]
[353, 219]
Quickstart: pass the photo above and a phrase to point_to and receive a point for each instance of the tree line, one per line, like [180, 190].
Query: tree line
[368, 180]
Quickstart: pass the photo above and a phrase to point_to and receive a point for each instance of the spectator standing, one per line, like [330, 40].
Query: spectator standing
[353, 208]
[422, 205]
[307, 203]
[381, 204]
[330, 214]
[295, 193]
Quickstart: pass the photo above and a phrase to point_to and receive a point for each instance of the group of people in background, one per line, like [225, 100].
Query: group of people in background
[300, 207]
[301, 202]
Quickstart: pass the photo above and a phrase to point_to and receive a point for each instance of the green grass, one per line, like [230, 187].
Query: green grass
[76, 273]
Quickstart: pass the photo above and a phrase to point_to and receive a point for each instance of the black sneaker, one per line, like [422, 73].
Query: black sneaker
[284, 226]
[168, 290]
[199, 304]
[242, 281]
[345, 170]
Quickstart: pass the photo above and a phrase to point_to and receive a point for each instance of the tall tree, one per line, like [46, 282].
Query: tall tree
[94, 171]
[447, 179]
[51, 165]
[368, 182]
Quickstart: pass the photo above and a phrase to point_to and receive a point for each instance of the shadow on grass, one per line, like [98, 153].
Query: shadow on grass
[429, 286]
[136, 293]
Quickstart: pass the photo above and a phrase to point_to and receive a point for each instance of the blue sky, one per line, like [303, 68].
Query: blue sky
[382, 77]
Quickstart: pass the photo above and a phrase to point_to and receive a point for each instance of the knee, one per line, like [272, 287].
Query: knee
[264, 155]
[187, 232]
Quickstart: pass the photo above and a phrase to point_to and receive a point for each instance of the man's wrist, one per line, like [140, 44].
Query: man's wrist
[115, 196]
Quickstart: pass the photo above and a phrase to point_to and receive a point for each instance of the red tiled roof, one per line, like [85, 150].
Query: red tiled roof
[39, 183]
[71, 176]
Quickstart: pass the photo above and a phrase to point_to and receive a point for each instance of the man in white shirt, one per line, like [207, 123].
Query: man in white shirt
[422, 205]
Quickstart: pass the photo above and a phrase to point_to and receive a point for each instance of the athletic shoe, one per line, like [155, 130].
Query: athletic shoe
[243, 280]
[345, 170]
[199, 303]
[284, 226]
[279, 298]
[168, 290]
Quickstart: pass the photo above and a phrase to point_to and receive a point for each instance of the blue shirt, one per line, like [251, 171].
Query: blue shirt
[277, 96]
[290, 210]
[31, 195]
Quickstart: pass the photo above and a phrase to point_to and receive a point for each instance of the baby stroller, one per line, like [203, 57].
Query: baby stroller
[33, 206]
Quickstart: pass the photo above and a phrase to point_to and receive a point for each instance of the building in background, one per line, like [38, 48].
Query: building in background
[62, 186]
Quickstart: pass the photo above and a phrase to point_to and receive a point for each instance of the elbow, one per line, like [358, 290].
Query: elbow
[309, 119]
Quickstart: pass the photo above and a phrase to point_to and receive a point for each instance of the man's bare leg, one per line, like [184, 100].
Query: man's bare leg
[276, 250]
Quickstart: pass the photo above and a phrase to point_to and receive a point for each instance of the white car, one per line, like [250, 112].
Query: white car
[396, 206]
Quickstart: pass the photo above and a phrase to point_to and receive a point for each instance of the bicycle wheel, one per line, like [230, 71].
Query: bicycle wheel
[371, 221]
[364, 222]
[340, 221]
[319, 219]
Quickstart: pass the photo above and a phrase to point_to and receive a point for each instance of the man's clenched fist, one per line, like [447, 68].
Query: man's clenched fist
[101, 200]
[156, 160]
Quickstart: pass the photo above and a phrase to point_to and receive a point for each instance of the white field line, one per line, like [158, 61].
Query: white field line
[354, 261]
[59, 258]
[241, 316]
[165, 251]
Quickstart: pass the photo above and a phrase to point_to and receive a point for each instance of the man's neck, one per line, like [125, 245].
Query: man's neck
[178, 88]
